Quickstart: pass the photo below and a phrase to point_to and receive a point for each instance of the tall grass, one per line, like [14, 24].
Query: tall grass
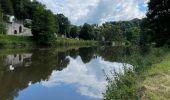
[68, 42]
[22, 41]
[127, 86]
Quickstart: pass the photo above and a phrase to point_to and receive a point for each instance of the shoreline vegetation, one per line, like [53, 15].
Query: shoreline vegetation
[157, 83]
[149, 79]
[7, 41]
[149, 56]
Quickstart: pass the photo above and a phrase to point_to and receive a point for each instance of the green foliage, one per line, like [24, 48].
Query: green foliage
[144, 37]
[43, 26]
[86, 32]
[127, 86]
[7, 6]
[132, 35]
[74, 32]
[125, 25]
[21, 41]
[159, 21]
[63, 24]
[15, 41]
[2, 27]
[97, 32]
[122, 87]
[111, 32]
[23, 9]
[73, 42]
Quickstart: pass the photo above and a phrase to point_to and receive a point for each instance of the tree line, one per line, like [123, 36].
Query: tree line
[47, 25]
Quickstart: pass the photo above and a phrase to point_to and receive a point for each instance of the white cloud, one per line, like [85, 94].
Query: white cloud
[89, 78]
[96, 11]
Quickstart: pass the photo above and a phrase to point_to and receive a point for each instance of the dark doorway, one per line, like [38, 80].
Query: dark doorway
[15, 55]
[15, 31]
[20, 29]
[20, 58]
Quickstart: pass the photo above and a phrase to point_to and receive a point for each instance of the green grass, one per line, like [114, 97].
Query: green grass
[157, 83]
[22, 41]
[9, 41]
[68, 42]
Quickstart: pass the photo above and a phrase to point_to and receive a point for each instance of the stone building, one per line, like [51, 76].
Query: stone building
[14, 27]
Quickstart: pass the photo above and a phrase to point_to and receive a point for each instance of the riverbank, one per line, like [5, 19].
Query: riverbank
[15, 41]
[157, 83]
[22, 41]
[149, 77]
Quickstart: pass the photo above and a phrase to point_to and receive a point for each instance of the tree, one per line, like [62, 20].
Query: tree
[2, 28]
[56, 24]
[159, 19]
[23, 9]
[63, 24]
[111, 32]
[97, 32]
[74, 32]
[7, 6]
[132, 35]
[86, 32]
[28, 9]
[43, 26]
[19, 9]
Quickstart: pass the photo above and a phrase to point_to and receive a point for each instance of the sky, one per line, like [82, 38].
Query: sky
[97, 11]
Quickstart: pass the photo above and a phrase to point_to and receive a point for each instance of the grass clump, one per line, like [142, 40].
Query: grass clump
[122, 87]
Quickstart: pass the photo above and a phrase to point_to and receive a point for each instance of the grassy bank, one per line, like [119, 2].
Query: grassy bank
[157, 83]
[15, 41]
[21, 41]
[134, 84]
[68, 42]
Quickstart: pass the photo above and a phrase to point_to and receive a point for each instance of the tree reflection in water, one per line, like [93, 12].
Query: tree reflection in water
[38, 65]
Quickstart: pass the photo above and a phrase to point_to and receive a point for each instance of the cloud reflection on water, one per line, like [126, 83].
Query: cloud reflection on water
[89, 78]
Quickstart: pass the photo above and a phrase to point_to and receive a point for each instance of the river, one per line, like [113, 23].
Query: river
[57, 74]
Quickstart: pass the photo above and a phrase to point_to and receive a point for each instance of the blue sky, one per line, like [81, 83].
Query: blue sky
[98, 11]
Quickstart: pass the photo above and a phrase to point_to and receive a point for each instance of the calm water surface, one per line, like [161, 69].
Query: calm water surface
[57, 74]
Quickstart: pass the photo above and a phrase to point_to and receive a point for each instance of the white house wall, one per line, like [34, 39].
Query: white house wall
[11, 27]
